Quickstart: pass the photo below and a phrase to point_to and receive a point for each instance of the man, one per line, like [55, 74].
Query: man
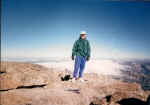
[81, 52]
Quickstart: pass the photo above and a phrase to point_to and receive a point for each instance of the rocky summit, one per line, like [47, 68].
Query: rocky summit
[32, 84]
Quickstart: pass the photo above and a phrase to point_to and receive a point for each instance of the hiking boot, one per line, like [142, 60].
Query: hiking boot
[81, 79]
[73, 80]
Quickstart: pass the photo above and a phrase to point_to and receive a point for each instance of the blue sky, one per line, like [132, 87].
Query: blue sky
[48, 28]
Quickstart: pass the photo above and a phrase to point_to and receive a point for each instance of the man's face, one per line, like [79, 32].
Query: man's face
[82, 36]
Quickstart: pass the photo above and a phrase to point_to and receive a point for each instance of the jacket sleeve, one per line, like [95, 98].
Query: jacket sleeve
[74, 49]
[89, 50]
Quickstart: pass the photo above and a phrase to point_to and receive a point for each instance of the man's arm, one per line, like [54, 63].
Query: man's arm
[74, 49]
[89, 51]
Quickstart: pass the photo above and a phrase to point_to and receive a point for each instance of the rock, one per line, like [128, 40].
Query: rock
[10, 80]
[23, 74]
[118, 93]
[31, 84]
[38, 96]
[97, 101]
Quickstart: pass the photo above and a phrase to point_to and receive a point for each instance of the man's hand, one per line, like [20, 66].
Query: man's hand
[88, 58]
[72, 57]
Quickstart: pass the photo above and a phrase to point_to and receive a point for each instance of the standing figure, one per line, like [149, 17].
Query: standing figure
[81, 52]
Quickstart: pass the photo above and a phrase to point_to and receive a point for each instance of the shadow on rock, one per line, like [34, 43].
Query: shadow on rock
[131, 101]
[66, 78]
[148, 100]
[74, 90]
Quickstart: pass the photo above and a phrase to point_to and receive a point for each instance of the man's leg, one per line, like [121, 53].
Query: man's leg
[76, 66]
[82, 66]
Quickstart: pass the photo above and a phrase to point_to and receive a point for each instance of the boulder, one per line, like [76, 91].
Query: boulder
[14, 75]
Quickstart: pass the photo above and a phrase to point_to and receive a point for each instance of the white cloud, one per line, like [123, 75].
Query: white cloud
[97, 51]
[106, 67]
